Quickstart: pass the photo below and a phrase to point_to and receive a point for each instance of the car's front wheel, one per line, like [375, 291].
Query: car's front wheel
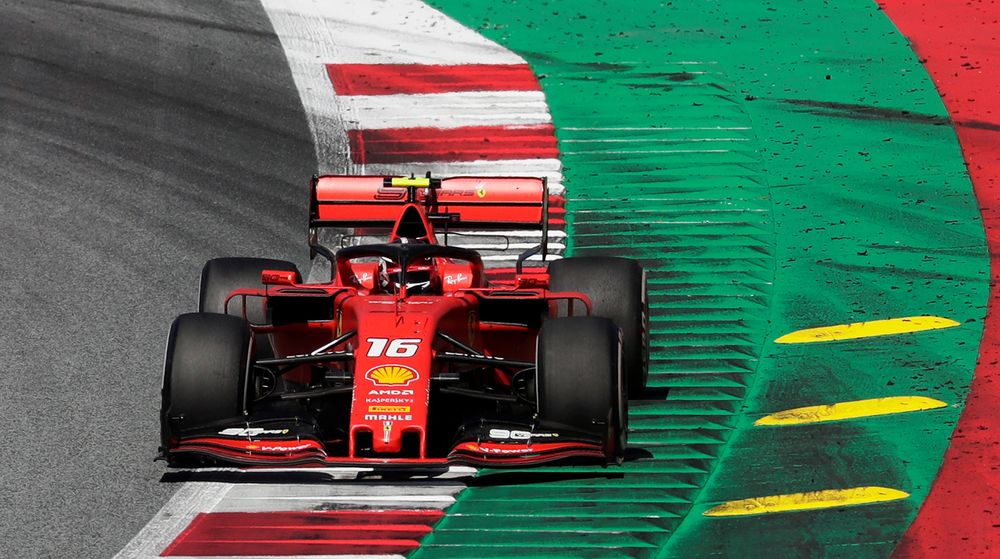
[580, 380]
[205, 372]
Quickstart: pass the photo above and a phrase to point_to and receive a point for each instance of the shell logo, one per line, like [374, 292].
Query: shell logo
[392, 375]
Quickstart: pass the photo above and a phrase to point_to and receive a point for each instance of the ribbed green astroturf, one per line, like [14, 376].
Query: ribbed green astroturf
[776, 166]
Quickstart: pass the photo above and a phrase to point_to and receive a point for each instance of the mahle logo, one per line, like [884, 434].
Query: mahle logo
[392, 375]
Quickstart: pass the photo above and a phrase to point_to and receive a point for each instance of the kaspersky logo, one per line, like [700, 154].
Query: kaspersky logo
[392, 375]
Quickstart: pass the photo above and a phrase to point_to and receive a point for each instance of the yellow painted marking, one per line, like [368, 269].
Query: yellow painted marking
[812, 500]
[850, 410]
[866, 329]
[420, 182]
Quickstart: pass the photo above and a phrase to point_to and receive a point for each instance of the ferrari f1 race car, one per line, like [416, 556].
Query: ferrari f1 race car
[414, 353]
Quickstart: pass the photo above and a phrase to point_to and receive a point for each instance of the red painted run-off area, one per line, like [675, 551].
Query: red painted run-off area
[359, 532]
[957, 42]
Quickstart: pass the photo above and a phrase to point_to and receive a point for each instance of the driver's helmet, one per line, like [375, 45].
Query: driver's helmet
[421, 278]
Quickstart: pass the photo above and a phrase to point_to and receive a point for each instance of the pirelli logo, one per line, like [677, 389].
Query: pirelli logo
[389, 409]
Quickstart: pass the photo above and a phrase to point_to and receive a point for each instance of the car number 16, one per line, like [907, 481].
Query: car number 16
[399, 347]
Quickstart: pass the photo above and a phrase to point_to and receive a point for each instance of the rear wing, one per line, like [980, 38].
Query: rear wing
[452, 204]
[461, 203]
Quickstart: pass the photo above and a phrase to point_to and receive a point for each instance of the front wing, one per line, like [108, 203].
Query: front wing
[296, 443]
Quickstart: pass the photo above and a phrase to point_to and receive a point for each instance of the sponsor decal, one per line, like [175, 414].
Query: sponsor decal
[390, 392]
[251, 432]
[279, 448]
[392, 375]
[506, 449]
[399, 347]
[387, 193]
[389, 409]
[463, 192]
[514, 435]
[363, 278]
[389, 401]
[388, 417]
[455, 279]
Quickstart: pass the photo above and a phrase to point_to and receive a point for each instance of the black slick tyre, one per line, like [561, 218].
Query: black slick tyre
[580, 381]
[221, 276]
[617, 290]
[205, 372]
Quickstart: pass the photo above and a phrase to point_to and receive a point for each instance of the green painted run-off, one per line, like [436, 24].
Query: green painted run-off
[776, 165]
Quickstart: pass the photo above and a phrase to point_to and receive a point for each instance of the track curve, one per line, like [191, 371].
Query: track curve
[136, 141]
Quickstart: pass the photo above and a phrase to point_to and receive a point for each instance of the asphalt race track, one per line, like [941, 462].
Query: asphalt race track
[137, 140]
[806, 183]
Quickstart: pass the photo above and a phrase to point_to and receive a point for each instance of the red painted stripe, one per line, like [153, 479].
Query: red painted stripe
[391, 79]
[470, 143]
[259, 548]
[303, 533]
[956, 39]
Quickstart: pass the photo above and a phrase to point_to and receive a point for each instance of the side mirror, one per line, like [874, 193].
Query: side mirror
[277, 277]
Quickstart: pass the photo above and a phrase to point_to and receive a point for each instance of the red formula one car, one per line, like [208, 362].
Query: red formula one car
[413, 353]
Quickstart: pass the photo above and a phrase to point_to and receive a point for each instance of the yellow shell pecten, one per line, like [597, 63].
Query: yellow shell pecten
[392, 374]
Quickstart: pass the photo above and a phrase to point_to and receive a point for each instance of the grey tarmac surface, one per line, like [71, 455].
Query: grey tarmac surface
[137, 140]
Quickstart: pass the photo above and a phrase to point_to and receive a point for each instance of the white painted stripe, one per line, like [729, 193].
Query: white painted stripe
[445, 110]
[349, 491]
[395, 499]
[345, 472]
[173, 518]
[307, 505]
[361, 495]
[389, 32]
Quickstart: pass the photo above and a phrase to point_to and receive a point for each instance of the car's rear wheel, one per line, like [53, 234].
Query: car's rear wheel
[221, 276]
[580, 381]
[205, 372]
[617, 290]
